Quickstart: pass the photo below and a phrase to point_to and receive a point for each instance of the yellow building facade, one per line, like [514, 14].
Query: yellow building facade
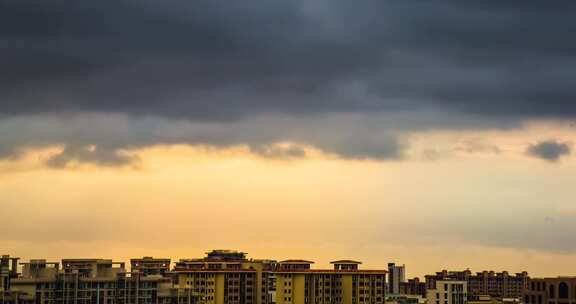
[297, 283]
[224, 277]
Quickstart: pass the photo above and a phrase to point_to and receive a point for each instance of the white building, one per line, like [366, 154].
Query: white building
[448, 292]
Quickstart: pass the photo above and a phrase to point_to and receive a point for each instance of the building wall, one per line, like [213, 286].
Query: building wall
[448, 292]
[330, 287]
[348, 290]
[242, 286]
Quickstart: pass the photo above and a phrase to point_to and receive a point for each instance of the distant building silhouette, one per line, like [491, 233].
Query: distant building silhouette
[413, 287]
[499, 285]
[396, 276]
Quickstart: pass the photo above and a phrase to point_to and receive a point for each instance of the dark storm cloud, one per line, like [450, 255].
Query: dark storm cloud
[222, 61]
[549, 150]
[170, 57]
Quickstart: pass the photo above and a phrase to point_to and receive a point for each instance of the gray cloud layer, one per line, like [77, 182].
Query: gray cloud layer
[549, 150]
[217, 61]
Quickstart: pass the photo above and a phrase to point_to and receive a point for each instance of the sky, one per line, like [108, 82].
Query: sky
[437, 134]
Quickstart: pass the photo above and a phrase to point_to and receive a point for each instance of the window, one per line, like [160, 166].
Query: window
[563, 290]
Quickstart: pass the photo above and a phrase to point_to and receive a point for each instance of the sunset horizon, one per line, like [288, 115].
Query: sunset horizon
[439, 135]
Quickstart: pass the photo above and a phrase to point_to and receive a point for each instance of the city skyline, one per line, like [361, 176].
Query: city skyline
[436, 134]
[384, 264]
[230, 276]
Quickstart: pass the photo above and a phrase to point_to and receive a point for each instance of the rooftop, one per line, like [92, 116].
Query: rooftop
[346, 262]
[296, 262]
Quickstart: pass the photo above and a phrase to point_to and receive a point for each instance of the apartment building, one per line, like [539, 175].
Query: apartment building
[87, 281]
[499, 285]
[224, 276]
[298, 283]
[396, 276]
[560, 290]
[448, 292]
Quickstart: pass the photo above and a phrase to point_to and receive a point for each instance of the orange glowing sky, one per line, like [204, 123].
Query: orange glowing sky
[445, 205]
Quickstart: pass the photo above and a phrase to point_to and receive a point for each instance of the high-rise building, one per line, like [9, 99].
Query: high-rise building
[297, 283]
[224, 276]
[448, 292]
[396, 276]
[560, 290]
[499, 285]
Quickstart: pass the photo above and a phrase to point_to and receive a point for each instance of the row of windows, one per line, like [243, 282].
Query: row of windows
[202, 283]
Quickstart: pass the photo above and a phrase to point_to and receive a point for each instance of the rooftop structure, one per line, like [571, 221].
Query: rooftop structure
[345, 264]
[150, 265]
